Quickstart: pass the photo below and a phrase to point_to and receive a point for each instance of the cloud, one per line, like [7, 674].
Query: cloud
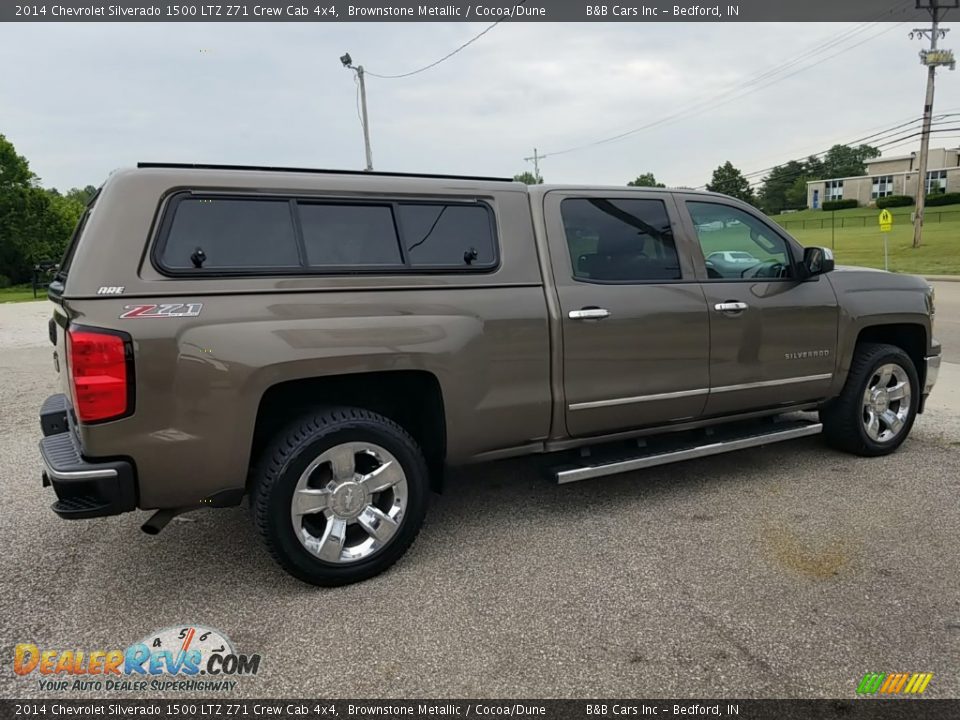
[91, 97]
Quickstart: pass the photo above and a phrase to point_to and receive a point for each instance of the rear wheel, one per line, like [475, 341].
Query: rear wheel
[340, 496]
[876, 409]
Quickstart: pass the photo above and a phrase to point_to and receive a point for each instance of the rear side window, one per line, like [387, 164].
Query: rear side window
[248, 236]
[618, 240]
[349, 235]
[445, 235]
[231, 233]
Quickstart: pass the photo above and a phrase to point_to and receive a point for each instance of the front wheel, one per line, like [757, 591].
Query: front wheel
[340, 496]
[876, 409]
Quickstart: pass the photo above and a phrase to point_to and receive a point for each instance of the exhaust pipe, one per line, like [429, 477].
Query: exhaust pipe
[158, 521]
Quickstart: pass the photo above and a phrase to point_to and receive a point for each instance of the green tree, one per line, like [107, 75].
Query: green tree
[67, 210]
[81, 195]
[645, 180]
[796, 197]
[775, 193]
[528, 178]
[14, 169]
[815, 169]
[785, 187]
[846, 161]
[35, 224]
[730, 181]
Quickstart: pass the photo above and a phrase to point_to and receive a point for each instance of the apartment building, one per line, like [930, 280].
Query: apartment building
[890, 176]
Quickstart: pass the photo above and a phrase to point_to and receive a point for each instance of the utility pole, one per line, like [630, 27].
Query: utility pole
[536, 164]
[348, 63]
[932, 58]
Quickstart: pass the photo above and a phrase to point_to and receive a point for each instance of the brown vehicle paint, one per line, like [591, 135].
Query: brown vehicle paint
[516, 374]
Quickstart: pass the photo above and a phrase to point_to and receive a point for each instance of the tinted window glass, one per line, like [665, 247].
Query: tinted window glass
[349, 234]
[736, 245]
[232, 233]
[620, 240]
[446, 235]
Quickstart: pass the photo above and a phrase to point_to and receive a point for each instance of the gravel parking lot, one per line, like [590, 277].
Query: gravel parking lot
[787, 570]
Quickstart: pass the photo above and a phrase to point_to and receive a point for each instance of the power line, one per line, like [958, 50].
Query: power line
[445, 57]
[902, 139]
[811, 150]
[947, 112]
[910, 142]
[771, 75]
[721, 100]
[857, 141]
[875, 137]
[878, 135]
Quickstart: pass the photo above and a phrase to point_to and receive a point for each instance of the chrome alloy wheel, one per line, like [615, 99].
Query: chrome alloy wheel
[349, 502]
[886, 403]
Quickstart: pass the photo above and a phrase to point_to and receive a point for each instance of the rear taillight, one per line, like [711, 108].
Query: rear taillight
[99, 373]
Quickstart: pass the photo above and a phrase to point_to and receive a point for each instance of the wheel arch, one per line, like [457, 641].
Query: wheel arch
[909, 337]
[411, 398]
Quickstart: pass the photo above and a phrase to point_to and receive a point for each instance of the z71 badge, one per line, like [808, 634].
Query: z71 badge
[171, 310]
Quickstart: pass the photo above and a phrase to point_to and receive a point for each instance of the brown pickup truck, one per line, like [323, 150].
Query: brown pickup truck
[328, 343]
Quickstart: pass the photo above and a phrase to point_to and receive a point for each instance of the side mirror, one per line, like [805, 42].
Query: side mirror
[817, 260]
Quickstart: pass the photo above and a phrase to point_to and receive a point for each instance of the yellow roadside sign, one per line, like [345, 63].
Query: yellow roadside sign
[886, 220]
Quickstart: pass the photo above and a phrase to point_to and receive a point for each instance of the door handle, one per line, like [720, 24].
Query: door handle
[730, 306]
[589, 313]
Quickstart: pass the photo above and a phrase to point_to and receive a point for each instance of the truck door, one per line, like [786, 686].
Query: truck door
[773, 338]
[633, 319]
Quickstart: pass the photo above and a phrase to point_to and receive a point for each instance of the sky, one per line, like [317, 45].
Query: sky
[86, 98]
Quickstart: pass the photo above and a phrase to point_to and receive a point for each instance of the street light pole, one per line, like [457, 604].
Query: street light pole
[348, 63]
[366, 123]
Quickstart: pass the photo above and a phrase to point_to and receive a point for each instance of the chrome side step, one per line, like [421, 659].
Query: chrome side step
[573, 474]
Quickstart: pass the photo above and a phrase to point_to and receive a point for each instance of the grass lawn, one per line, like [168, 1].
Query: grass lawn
[939, 254]
[20, 293]
[860, 242]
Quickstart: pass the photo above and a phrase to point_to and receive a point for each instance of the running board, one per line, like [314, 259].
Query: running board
[797, 430]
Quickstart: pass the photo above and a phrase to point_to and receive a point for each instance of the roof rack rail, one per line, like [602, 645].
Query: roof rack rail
[270, 168]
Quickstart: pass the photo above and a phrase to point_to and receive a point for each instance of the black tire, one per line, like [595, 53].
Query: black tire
[843, 417]
[286, 459]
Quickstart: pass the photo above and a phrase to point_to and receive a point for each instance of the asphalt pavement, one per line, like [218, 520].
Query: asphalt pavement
[789, 570]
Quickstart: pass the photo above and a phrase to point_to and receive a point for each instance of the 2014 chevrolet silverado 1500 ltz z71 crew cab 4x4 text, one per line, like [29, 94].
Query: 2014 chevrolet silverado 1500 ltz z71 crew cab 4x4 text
[328, 343]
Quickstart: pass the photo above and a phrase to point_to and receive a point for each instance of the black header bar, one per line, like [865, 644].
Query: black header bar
[187, 708]
[460, 11]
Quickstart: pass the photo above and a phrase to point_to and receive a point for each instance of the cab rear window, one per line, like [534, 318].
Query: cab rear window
[217, 234]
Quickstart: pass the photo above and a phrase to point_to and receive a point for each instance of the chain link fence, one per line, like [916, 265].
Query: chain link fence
[828, 220]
